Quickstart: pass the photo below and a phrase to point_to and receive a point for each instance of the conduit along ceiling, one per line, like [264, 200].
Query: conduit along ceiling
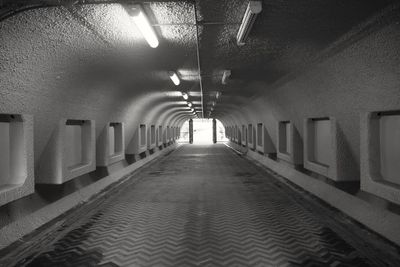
[197, 41]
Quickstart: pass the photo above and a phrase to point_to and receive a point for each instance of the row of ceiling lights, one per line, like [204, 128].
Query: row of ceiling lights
[142, 22]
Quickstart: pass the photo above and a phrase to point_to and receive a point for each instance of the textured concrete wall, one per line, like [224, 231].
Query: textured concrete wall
[54, 64]
[364, 76]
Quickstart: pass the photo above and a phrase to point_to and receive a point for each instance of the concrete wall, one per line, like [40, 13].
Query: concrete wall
[55, 65]
[361, 76]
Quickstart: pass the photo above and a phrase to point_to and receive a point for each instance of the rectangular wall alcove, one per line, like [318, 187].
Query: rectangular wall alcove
[251, 137]
[263, 140]
[16, 161]
[380, 154]
[320, 146]
[289, 143]
[176, 133]
[169, 134]
[70, 152]
[166, 135]
[151, 137]
[173, 133]
[111, 144]
[239, 135]
[159, 136]
[244, 135]
[138, 143]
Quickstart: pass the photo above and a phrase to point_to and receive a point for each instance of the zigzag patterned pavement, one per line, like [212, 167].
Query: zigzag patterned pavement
[204, 206]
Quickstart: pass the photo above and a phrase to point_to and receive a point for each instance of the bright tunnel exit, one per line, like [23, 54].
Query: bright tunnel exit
[202, 132]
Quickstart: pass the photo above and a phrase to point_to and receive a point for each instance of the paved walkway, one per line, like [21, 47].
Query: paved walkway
[205, 206]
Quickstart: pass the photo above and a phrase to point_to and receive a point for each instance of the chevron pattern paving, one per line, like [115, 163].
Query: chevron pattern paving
[204, 206]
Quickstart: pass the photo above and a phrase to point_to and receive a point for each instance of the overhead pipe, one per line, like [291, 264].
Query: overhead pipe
[198, 58]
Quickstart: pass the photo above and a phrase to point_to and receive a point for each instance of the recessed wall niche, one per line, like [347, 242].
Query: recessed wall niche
[289, 143]
[263, 140]
[380, 154]
[239, 136]
[170, 134]
[166, 135]
[16, 162]
[111, 144]
[151, 137]
[70, 152]
[320, 146]
[159, 136]
[244, 135]
[173, 133]
[138, 143]
[251, 136]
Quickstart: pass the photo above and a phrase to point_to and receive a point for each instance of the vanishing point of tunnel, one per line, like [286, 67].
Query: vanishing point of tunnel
[199, 133]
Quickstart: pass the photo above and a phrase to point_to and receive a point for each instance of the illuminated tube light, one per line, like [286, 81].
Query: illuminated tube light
[225, 77]
[174, 77]
[253, 9]
[185, 96]
[141, 21]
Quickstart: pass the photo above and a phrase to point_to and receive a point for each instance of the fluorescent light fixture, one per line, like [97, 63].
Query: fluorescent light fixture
[189, 104]
[225, 77]
[141, 21]
[174, 77]
[253, 9]
[185, 96]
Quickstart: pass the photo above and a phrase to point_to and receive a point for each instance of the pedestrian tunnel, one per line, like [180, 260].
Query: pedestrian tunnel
[199, 133]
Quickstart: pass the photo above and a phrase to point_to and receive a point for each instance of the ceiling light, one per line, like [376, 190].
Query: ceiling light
[141, 21]
[174, 77]
[253, 8]
[185, 96]
[225, 76]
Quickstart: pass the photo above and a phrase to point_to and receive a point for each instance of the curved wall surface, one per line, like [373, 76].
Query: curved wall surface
[68, 73]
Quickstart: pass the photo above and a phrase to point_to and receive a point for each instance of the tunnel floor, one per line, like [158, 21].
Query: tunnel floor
[203, 206]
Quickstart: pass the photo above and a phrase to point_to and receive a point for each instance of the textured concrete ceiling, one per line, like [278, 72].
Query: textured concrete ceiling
[287, 36]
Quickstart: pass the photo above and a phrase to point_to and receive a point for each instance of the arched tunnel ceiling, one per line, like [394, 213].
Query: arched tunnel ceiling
[286, 37]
